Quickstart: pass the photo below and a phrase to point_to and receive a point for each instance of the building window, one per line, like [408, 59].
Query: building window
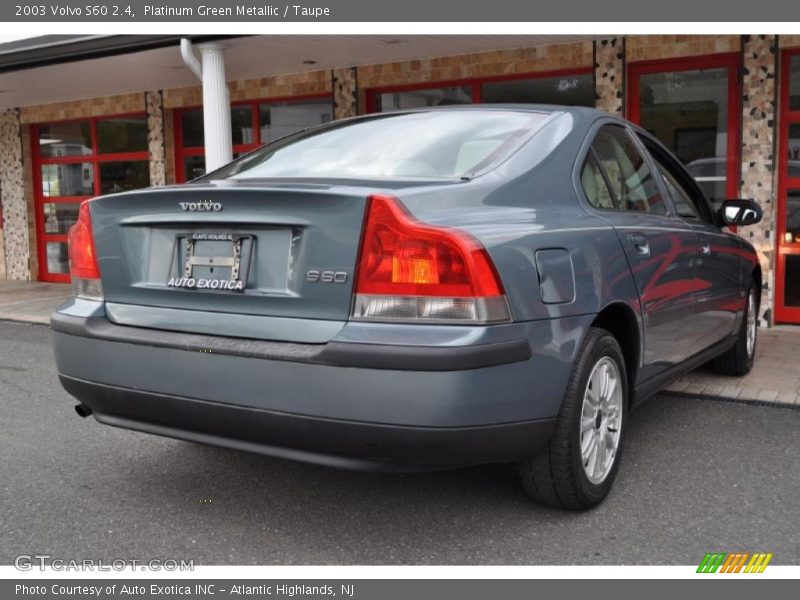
[420, 98]
[691, 105]
[787, 234]
[74, 161]
[253, 123]
[572, 88]
[794, 82]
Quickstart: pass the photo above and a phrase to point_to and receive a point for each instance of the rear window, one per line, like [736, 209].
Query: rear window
[436, 144]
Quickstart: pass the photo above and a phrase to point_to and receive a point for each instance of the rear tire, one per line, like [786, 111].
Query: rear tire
[738, 360]
[569, 473]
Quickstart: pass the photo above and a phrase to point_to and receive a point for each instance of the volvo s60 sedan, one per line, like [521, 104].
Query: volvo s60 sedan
[416, 290]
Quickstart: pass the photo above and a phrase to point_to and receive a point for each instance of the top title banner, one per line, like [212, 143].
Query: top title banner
[458, 11]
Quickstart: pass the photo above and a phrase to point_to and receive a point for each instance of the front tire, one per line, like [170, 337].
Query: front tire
[739, 359]
[578, 466]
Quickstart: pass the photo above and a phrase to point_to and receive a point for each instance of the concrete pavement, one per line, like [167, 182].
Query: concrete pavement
[696, 476]
[31, 301]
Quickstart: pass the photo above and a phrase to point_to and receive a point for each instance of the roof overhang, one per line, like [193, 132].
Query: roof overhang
[62, 68]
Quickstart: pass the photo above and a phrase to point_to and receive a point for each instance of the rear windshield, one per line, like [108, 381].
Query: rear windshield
[436, 144]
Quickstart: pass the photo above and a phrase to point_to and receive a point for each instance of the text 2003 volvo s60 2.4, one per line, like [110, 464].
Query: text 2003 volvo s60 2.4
[418, 290]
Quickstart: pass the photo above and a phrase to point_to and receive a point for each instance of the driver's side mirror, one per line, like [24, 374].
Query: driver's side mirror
[739, 212]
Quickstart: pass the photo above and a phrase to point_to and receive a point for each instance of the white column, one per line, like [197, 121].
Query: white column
[216, 106]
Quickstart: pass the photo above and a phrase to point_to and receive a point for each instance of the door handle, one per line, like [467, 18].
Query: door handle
[705, 247]
[640, 244]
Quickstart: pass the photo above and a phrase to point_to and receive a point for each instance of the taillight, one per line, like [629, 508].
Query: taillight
[83, 258]
[411, 271]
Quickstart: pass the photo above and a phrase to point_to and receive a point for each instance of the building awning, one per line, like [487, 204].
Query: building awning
[50, 69]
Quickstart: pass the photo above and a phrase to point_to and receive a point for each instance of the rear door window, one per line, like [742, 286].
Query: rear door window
[595, 185]
[686, 197]
[626, 170]
[684, 205]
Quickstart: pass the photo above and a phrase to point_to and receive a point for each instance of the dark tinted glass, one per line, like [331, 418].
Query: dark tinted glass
[242, 125]
[792, 233]
[794, 83]
[119, 176]
[437, 144]
[122, 134]
[194, 166]
[793, 167]
[573, 90]
[791, 281]
[192, 127]
[65, 139]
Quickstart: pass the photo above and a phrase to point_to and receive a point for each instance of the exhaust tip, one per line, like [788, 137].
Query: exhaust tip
[83, 410]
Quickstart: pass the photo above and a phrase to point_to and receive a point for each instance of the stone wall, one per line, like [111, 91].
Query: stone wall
[81, 109]
[656, 47]
[12, 190]
[758, 137]
[308, 83]
[789, 41]
[345, 92]
[609, 75]
[155, 137]
[481, 64]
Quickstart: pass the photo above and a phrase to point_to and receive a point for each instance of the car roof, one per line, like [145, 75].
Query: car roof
[583, 111]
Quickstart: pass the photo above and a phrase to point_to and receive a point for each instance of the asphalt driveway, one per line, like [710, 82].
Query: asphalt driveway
[697, 476]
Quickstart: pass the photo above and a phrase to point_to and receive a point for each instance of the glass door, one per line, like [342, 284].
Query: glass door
[787, 276]
[74, 161]
[692, 106]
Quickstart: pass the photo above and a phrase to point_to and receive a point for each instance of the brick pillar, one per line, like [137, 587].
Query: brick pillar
[345, 93]
[609, 75]
[758, 167]
[154, 104]
[12, 190]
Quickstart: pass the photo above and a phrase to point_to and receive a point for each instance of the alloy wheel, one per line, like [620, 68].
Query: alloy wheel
[752, 325]
[601, 420]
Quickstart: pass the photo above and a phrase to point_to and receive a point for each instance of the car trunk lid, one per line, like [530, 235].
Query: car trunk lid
[230, 259]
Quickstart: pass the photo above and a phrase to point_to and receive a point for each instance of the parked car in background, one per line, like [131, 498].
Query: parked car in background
[416, 290]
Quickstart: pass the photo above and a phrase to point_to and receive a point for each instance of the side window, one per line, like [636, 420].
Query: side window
[594, 184]
[684, 205]
[632, 182]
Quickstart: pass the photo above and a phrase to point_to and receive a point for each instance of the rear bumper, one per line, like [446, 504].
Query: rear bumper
[357, 405]
[329, 442]
[338, 354]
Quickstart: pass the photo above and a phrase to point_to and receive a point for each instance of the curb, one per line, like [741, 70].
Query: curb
[705, 397]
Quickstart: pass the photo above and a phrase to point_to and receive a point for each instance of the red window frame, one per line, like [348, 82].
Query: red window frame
[182, 152]
[731, 62]
[786, 117]
[473, 82]
[37, 161]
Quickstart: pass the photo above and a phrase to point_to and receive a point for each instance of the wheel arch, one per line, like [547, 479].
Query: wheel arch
[757, 277]
[620, 321]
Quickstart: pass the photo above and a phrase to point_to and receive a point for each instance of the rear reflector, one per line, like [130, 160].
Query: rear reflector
[83, 258]
[411, 271]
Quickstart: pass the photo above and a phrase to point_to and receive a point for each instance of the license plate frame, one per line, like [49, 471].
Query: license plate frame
[186, 260]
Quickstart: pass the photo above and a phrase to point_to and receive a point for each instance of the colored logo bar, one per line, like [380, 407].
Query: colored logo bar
[735, 562]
